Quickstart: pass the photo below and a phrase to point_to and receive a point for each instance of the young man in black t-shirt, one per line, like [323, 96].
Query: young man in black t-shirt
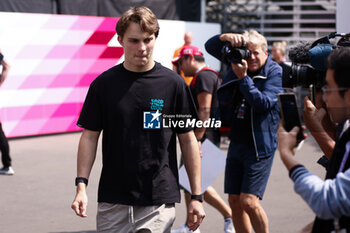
[139, 180]
[203, 88]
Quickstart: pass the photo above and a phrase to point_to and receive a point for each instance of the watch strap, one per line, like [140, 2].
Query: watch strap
[200, 139]
[81, 180]
[197, 197]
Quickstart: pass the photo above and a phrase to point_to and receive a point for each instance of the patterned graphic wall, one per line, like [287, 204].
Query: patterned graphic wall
[53, 60]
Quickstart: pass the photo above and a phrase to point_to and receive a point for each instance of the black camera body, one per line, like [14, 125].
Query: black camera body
[235, 54]
[309, 61]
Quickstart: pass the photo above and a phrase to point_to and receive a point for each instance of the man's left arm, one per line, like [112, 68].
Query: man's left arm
[191, 157]
[204, 104]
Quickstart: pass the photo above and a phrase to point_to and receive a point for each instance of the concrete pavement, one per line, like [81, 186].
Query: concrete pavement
[38, 197]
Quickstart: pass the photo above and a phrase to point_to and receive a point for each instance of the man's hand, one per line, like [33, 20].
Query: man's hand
[286, 146]
[80, 202]
[312, 116]
[240, 70]
[196, 214]
[287, 140]
[236, 40]
[320, 126]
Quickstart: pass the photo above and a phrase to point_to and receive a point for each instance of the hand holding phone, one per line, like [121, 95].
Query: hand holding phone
[290, 114]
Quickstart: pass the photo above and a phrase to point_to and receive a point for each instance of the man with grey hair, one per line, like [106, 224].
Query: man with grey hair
[248, 104]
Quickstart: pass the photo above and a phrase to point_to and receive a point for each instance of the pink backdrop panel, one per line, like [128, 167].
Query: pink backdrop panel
[53, 60]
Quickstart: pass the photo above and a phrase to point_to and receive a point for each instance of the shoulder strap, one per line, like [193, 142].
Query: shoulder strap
[204, 68]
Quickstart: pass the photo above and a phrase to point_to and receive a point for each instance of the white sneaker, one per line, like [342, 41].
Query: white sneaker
[228, 228]
[184, 229]
[7, 171]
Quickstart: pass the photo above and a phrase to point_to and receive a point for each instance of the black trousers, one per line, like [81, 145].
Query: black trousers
[5, 149]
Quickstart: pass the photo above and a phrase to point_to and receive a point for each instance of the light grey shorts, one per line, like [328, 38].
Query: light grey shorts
[113, 218]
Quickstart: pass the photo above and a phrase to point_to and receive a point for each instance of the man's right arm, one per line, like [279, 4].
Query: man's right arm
[214, 44]
[86, 157]
[214, 47]
[204, 103]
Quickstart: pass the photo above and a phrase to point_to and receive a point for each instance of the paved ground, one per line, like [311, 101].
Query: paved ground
[38, 197]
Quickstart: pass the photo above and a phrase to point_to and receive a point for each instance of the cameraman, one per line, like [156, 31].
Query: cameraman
[324, 125]
[253, 84]
[329, 199]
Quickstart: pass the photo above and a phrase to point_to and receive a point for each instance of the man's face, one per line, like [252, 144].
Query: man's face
[336, 105]
[138, 48]
[257, 58]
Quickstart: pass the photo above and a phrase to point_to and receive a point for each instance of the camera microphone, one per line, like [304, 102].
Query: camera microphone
[299, 53]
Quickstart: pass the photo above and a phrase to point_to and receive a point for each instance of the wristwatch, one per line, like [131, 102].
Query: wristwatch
[200, 139]
[81, 180]
[197, 197]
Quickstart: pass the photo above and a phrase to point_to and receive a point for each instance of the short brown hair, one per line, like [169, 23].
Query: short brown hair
[140, 15]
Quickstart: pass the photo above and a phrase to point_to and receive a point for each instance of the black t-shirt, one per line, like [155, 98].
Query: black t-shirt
[207, 81]
[241, 128]
[139, 164]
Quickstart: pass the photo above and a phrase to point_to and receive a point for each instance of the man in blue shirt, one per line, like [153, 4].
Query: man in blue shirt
[329, 198]
[252, 87]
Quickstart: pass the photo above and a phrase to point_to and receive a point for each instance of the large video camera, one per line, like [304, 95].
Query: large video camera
[235, 54]
[309, 61]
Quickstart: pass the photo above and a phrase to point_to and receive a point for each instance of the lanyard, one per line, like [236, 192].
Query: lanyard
[345, 157]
